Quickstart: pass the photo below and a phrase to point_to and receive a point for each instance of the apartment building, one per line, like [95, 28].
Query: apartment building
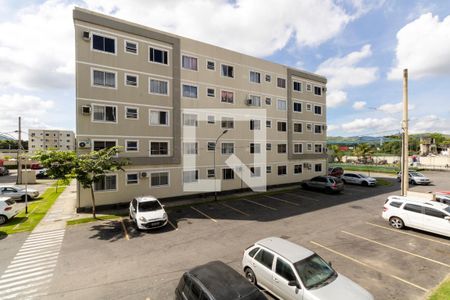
[140, 88]
[43, 139]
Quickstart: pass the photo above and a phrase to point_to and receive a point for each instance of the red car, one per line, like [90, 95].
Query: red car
[335, 171]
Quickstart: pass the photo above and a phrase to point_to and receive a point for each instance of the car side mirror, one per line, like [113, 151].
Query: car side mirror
[294, 283]
[447, 218]
[330, 264]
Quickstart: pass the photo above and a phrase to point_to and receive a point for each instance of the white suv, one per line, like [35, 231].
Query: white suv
[426, 215]
[147, 212]
[8, 209]
[290, 271]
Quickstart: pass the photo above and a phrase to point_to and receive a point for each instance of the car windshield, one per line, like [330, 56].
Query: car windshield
[362, 175]
[149, 206]
[314, 271]
[447, 209]
[416, 174]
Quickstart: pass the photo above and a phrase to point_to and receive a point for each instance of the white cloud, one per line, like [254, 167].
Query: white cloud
[372, 125]
[32, 109]
[393, 108]
[359, 105]
[333, 127]
[430, 123]
[343, 72]
[423, 47]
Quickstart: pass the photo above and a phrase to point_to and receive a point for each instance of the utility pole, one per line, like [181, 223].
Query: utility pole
[405, 136]
[19, 163]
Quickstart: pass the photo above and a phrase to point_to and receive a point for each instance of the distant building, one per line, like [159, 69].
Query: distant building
[43, 139]
[427, 146]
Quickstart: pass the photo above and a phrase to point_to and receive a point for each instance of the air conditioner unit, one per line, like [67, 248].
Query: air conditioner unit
[324, 127]
[324, 89]
[84, 144]
[86, 35]
[249, 102]
[86, 109]
[307, 166]
[144, 174]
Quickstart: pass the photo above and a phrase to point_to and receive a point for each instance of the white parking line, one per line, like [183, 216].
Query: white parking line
[202, 213]
[368, 266]
[172, 225]
[269, 207]
[235, 209]
[397, 249]
[303, 197]
[407, 233]
[282, 200]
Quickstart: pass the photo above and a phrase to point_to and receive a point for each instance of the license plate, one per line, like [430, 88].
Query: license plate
[154, 223]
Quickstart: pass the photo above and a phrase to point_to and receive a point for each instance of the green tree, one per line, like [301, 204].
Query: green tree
[59, 164]
[337, 152]
[92, 167]
[363, 151]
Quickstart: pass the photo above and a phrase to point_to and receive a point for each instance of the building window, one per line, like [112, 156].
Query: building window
[298, 169]
[297, 107]
[190, 120]
[190, 176]
[189, 91]
[254, 101]
[281, 126]
[104, 44]
[317, 91]
[281, 83]
[211, 119]
[100, 145]
[268, 123]
[308, 87]
[282, 170]
[317, 128]
[318, 148]
[131, 113]
[132, 178]
[132, 145]
[158, 56]
[189, 63]
[158, 117]
[131, 80]
[255, 148]
[318, 167]
[227, 97]
[227, 174]
[227, 123]
[255, 124]
[281, 148]
[106, 183]
[131, 47]
[159, 148]
[281, 104]
[255, 171]
[190, 148]
[308, 106]
[298, 127]
[268, 146]
[104, 79]
[104, 113]
[268, 78]
[268, 169]
[211, 146]
[211, 173]
[255, 77]
[159, 87]
[227, 71]
[317, 109]
[297, 86]
[211, 92]
[298, 148]
[210, 65]
[268, 101]
[309, 127]
[227, 148]
[159, 179]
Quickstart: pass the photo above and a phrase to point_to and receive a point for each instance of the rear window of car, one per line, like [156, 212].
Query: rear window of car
[434, 213]
[413, 208]
[253, 251]
[395, 204]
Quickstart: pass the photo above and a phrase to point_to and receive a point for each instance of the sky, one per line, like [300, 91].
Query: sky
[361, 46]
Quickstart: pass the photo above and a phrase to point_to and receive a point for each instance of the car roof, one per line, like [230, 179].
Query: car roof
[223, 282]
[146, 199]
[285, 248]
[415, 200]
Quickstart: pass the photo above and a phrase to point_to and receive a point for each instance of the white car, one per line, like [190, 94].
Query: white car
[415, 178]
[426, 215]
[147, 212]
[290, 271]
[17, 192]
[8, 209]
[361, 179]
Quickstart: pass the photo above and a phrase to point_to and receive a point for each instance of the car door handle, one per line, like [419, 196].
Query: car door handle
[275, 279]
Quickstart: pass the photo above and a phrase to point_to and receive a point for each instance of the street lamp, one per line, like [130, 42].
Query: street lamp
[215, 173]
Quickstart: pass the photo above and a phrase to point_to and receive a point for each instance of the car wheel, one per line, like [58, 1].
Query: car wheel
[250, 276]
[343, 180]
[3, 219]
[396, 222]
[305, 186]
[23, 198]
[364, 183]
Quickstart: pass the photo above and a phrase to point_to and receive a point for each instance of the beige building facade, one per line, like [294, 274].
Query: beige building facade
[43, 139]
[140, 88]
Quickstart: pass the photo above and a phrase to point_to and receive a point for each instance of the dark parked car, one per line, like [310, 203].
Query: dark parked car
[216, 281]
[327, 184]
[335, 171]
[42, 174]
[4, 171]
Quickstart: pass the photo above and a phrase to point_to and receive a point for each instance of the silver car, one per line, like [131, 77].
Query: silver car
[356, 178]
[291, 272]
[415, 178]
[18, 193]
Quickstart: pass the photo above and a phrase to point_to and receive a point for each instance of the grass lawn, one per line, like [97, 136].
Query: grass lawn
[442, 292]
[91, 219]
[36, 211]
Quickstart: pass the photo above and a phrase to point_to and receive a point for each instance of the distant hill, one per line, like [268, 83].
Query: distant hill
[5, 138]
[352, 140]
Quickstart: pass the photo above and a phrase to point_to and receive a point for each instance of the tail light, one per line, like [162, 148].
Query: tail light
[8, 208]
[385, 208]
[333, 185]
